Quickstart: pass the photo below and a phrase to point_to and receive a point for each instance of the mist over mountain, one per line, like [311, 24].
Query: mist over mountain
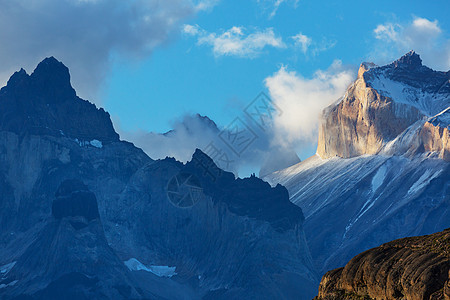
[197, 131]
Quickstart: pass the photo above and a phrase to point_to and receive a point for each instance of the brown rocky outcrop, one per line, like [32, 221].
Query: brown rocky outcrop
[408, 268]
[435, 135]
[363, 121]
[381, 104]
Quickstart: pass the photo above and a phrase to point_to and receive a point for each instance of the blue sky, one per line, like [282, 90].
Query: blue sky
[184, 77]
[152, 64]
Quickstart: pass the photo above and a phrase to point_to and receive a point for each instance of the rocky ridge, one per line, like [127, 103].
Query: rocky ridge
[409, 268]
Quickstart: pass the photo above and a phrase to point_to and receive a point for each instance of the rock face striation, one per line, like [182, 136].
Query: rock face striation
[435, 136]
[382, 169]
[409, 268]
[381, 104]
[87, 216]
[70, 258]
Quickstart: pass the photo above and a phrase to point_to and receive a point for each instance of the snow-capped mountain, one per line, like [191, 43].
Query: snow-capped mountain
[382, 168]
[381, 104]
[87, 216]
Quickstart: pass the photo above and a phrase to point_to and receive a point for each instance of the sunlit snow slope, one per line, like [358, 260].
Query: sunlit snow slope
[382, 170]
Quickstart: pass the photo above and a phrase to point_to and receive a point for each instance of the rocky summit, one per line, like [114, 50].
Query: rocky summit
[44, 103]
[381, 104]
[86, 216]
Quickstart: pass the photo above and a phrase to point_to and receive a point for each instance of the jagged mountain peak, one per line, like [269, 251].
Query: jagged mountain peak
[410, 60]
[251, 197]
[50, 65]
[18, 78]
[409, 71]
[381, 104]
[192, 123]
[45, 103]
[364, 67]
[52, 79]
[206, 120]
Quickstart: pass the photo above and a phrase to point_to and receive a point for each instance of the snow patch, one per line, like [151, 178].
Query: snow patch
[9, 284]
[96, 143]
[423, 181]
[93, 143]
[442, 119]
[162, 271]
[429, 104]
[369, 65]
[6, 268]
[379, 177]
[404, 140]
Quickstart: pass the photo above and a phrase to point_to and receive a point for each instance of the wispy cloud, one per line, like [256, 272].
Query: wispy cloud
[195, 131]
[205, 5]
[85, 33]
[273, 5]
[387, 32]
[235, 41]
[310, 46]
[302, 41]
[187, 134]
[422, 35]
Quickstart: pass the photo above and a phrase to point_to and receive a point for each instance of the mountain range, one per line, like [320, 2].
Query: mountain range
[87, 215]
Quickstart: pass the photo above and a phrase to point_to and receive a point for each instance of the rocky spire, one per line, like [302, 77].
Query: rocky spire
[51, 80]
[410, 60]
[45, 103]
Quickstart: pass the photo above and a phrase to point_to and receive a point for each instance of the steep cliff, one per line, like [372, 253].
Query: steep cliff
[435, 135]
[409, 268]
[380, 105]
[163, 229]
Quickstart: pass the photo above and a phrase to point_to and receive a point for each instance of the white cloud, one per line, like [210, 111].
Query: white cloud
[274, 5]
[426, 26]
[302, 41]
[422, 35]
[303, 99]
[187, 134]
[311, 47]
[300, 100]
[235, 42]
[205, 5]
[386, 32]
[191, 29]
[194, 131]
[85, 33]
